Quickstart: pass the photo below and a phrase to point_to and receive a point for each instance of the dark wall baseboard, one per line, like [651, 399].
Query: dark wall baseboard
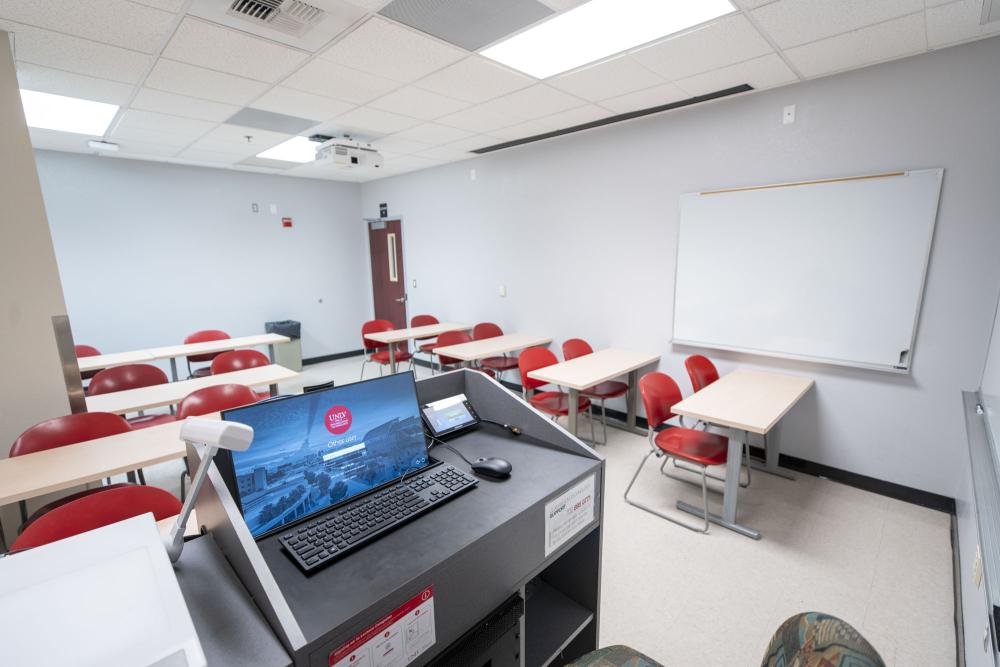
[332, 357]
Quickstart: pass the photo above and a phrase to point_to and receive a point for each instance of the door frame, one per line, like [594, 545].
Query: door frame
[401, 259]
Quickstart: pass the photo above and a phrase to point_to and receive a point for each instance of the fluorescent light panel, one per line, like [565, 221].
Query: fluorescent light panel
[66, 114]
[598, 29]
[296, 149]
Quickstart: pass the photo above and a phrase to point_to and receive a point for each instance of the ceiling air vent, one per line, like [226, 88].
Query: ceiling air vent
[291, 17]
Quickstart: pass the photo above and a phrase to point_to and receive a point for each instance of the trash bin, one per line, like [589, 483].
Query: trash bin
[288, 355]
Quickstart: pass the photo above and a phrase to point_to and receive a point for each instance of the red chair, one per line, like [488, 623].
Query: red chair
[214, 399]
[61, 432]
[699, 448]
[238, 360]
[500, 364]
[379, 352]
[426, 348]
[553, 403]
[701, 371]
[86, 351]
[131, 376]
[101, 508]
[577, 347]
[203, 336]
[451, 338]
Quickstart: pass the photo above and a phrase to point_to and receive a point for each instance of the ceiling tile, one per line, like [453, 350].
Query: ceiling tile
[534, 102]
[331, 80]
[114, 22]
[409, 163]
[794, 22]
[446, 154]
[400, 145]
[215, 47]
[574, 117]
[475, 79]
[608, 79]
[73, 54]
[561, 5]
[752, 4]
[158, 128]
[473, 143]
[301, 104]
[469, 24]
[885, 41]
[232, 139]
[369, 5]
[53, 140]
[432, 133]
[645, 99]
[418, 103]
[958, 22]
[202, 155]
[725, 42]
[167, 5]
[764, 72]
[386, 49]
[529, 128]
[46, 80]
[150, 99]
[476, 120]
[142, 150]
[375, 121]
[175, 77]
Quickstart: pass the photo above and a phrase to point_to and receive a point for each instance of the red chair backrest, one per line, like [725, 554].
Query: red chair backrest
[129, 376]
[86, 351]
[423, 321]
[374, 326]
[532, 359]
[486, 330]
[68, 430]
[576, 347]
[701, 371]
[452, 338]
[659, 395]
[237, 360]
[96, 510]
[205, 336]
[213, 399]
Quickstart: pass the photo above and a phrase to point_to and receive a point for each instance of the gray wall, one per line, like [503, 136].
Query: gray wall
[150, 252]
[582, 230]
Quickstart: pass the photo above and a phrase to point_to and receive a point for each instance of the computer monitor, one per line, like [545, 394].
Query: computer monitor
[313, 451]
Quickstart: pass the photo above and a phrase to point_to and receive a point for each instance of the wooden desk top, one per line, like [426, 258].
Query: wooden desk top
[429, 331]
[488, 347]
[133, 400]
[100, 361]
[591, 369]
[745, 399]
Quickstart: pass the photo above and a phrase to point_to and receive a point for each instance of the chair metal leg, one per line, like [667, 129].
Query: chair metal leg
[363, 364]
[680, 465]
[142, 476]
[704, 498]
[604, 421]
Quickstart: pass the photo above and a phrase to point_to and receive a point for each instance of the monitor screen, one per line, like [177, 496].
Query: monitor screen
[315, 450]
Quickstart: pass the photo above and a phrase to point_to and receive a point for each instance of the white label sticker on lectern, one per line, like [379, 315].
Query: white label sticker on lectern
[568, 514]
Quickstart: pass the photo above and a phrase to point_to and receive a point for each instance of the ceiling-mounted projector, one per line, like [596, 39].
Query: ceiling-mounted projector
[349, 154]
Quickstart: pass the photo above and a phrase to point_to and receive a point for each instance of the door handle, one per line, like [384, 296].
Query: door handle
[401, 299]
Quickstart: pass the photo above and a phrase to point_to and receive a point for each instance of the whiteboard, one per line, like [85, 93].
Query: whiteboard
[829, 271]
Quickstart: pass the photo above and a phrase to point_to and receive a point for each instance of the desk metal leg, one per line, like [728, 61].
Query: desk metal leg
[631, 401]
[274, 390]
[772, 450]
[392, 358]
[270, 352]
[734, 459]
[173, 368]
[574, 401]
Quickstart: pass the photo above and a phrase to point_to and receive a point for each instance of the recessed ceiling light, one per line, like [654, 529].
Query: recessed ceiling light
[66, 114]
[296, 149]
[598, 29]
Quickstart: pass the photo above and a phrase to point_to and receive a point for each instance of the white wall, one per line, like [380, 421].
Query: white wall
[582, 229]
[150, 252]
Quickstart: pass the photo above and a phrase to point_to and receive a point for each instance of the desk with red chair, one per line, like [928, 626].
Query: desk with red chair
[491, 347]
[742, 402]
[395, 336]
[590, 370]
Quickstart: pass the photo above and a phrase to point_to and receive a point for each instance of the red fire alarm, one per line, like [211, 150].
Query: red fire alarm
[286, 222]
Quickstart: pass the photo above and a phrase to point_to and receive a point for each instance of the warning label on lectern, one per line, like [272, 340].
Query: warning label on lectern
[395, 640]
[568, 514]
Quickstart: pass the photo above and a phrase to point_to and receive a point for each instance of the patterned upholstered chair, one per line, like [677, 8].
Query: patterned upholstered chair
[814, 639]
[615, 656]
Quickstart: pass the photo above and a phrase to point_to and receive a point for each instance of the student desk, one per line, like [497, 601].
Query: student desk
[744, 401]
[400, 335]
[591, 369]
[491, 347]
[171, 352]
[157, 396]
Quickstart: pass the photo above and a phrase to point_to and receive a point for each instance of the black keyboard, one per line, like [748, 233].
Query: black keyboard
[321, 541]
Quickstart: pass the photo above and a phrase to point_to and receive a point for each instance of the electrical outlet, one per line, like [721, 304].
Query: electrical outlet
[788, 115]
[977, 567]
[503, 290]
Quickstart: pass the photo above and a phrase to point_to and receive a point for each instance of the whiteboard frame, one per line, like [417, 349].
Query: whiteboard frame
[898, 370]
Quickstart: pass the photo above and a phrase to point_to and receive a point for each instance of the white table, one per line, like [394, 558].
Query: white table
[742, 402]
[592, 369]
[399, 335]
[160, 395]
[491, 347]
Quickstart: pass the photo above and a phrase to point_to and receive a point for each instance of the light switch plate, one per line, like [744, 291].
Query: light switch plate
[503, 290]
[788, 115]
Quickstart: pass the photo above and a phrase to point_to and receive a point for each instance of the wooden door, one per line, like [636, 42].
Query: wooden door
[385, 243]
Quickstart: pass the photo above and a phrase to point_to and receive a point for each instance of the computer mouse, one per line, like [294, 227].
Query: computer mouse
[492, 467]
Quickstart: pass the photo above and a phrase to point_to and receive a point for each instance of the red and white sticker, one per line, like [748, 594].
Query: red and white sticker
[338, 419]
[395, 640]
